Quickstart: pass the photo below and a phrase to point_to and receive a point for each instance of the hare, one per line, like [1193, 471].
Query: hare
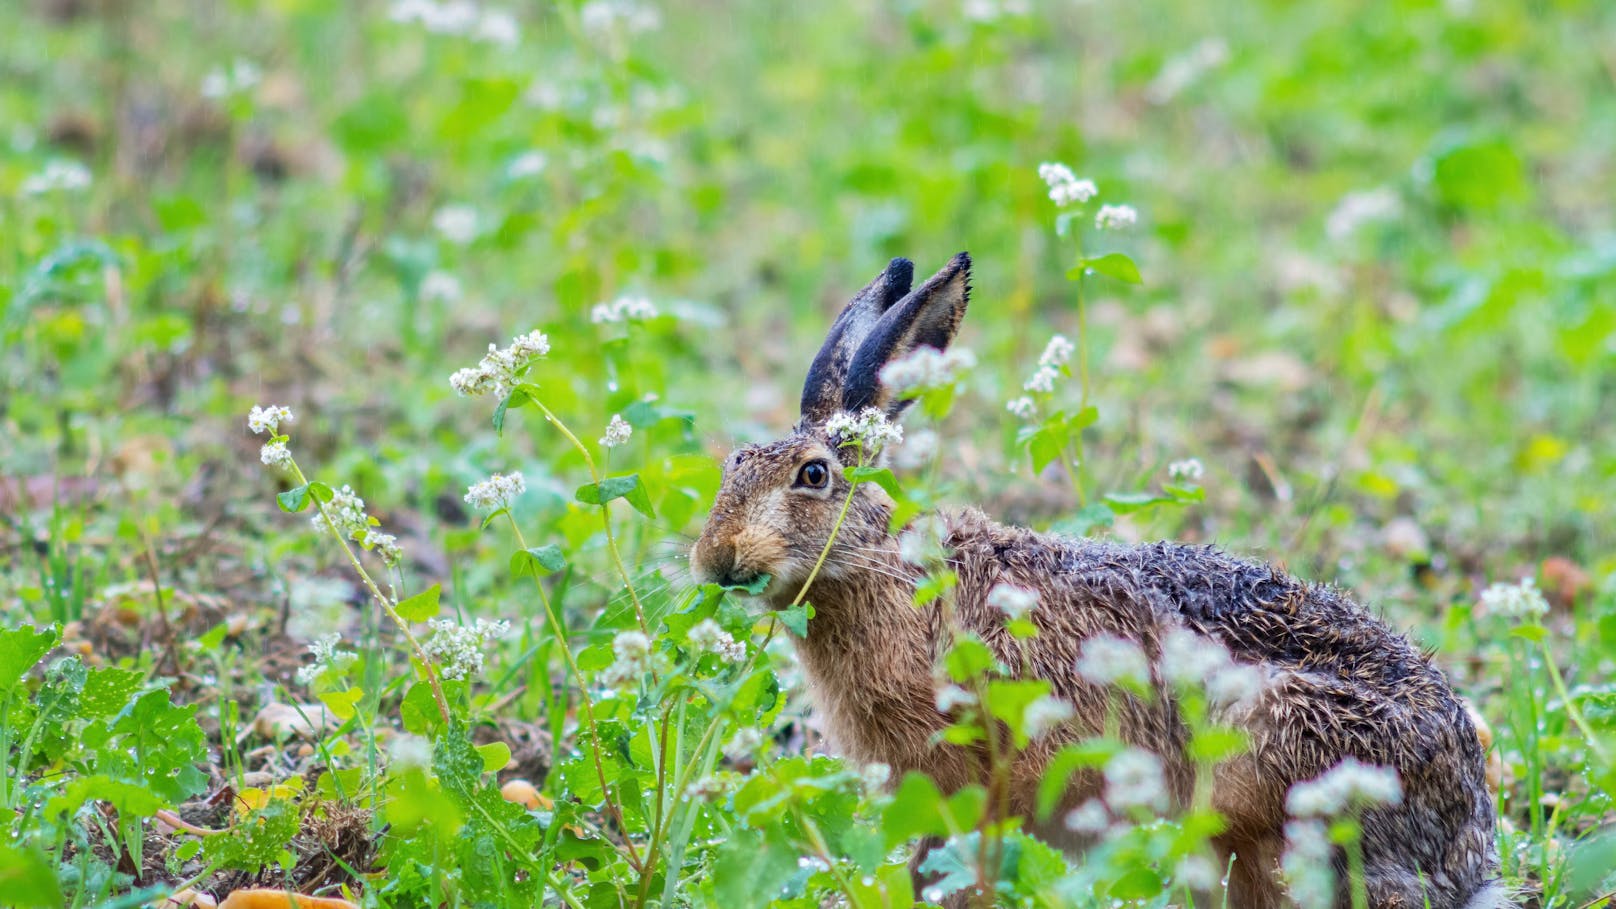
[1338, 683]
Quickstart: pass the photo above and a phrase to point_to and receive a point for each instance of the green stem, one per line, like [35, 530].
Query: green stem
[605, 512]
[1571, 706]
[427, 665]
[560, 633]
[830, 541]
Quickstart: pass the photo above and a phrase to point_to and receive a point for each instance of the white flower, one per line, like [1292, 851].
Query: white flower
[384, 545]
[61, 175]
[440, 287]
[1107, 660]
[1133, 777]
[275, 454]
[623, 309]
[916, 451]
[952, 697]
[1064, 186]
[527, 164]
[607, 18]
[1042, 381]
[1190, 660]
[268, 419]
[326, 656]
[617, 432]
[1056, 352]
[1359, 208]
[457, 223]
[501, 369]
[812, 863]
[743, 744]
[496, 492]
[498, 26]
[708, 637]
[345, 514]
[920, 543]
[1185, 70]
[1308, 864]
[633, 652]
[1116, 217]
[1014, 601]
[1189, 469]
[1023, 407]
[1045, 715]
[870, 429]
[925, 369]
[1090, 818]
[875, 775]
[707, 788]
[457, 649]
[409, 752]
[1197, 872]
[1350, 785]
[239, 77]
[1520, 601]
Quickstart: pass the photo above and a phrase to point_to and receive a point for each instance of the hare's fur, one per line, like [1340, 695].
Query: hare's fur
[1338, 682]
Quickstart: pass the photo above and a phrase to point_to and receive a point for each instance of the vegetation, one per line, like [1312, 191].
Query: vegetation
[1352, 309]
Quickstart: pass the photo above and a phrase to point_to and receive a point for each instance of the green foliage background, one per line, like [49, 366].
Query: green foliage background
[1413, 407]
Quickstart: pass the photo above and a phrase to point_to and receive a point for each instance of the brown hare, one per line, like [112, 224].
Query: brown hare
[1337, 684]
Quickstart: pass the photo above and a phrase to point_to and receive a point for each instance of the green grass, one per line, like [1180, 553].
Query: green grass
[1414, 406]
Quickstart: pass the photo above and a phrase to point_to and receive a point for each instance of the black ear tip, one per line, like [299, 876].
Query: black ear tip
[961, 261]
[896, 281]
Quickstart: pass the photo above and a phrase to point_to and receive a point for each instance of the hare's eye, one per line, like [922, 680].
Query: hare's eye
[814, 474]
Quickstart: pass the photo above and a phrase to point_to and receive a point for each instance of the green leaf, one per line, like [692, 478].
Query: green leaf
[1129, 502]
[1533, 632]
[496, 756]
[1477, 174]
[153, 742]
[20, 650]
[796, 618]
[1095, 515]
[968, 658]
[880, 476]
[419, 710]
[294, 499]
[28, 879]
[341, 703]
[1008, 700]
[754, 587]
[420, 607]
[1112, 265]
[108, 690]
[537, 560]
[626, 487]
[518, 398]
[130, 799]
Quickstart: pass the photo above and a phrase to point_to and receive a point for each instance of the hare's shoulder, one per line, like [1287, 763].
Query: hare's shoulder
[1261, 613]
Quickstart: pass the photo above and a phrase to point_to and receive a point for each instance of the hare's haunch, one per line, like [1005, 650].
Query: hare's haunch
[1337, 683]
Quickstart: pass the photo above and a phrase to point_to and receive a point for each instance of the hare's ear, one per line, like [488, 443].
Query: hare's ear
[928, 317]
[823, 390]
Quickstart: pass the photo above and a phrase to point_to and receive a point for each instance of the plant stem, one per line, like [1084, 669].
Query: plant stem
[560, 632]
[1571, 706]
[381, 599]
[829, 541]
[605, 512]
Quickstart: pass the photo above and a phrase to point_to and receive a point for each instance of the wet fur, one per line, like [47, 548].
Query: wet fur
[1339, 682]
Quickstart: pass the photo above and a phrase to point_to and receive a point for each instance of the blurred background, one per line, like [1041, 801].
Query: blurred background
[1377, 241]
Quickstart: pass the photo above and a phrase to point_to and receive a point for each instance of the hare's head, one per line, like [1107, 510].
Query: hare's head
[779, 501]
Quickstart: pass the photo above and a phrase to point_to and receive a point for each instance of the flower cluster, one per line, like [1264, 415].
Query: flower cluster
[268, 419]
[326, 656]
[496, 492]
[1350, 785]
[925, 369]
[916, 451]
[222, 82]
[1519, 601]
[708, 637]
[920, 544]
[1014, 601]
[623, 309]
[1357, 209]
[1185, 70]
[345, 514]
[617, 432]
[501, 369]
[1090, 818]
[1107, 660]
[1191, 661]
[60, 175]
[1134, 777]
[607, 17]
[440, 287]
[1308, 864]
[1022, 407]
[459, 18]
[275, 454]
[1116, 217]
[1057, 352]
[869, 429]
[953, 697]
[1064, 186]
[741, 746]
[1189, 470]
[1051, 363]
[459, 224]
[1044, 716]
[633, 652]
[458, 649]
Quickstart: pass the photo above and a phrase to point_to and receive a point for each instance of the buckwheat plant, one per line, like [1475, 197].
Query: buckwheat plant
[1334, 804]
